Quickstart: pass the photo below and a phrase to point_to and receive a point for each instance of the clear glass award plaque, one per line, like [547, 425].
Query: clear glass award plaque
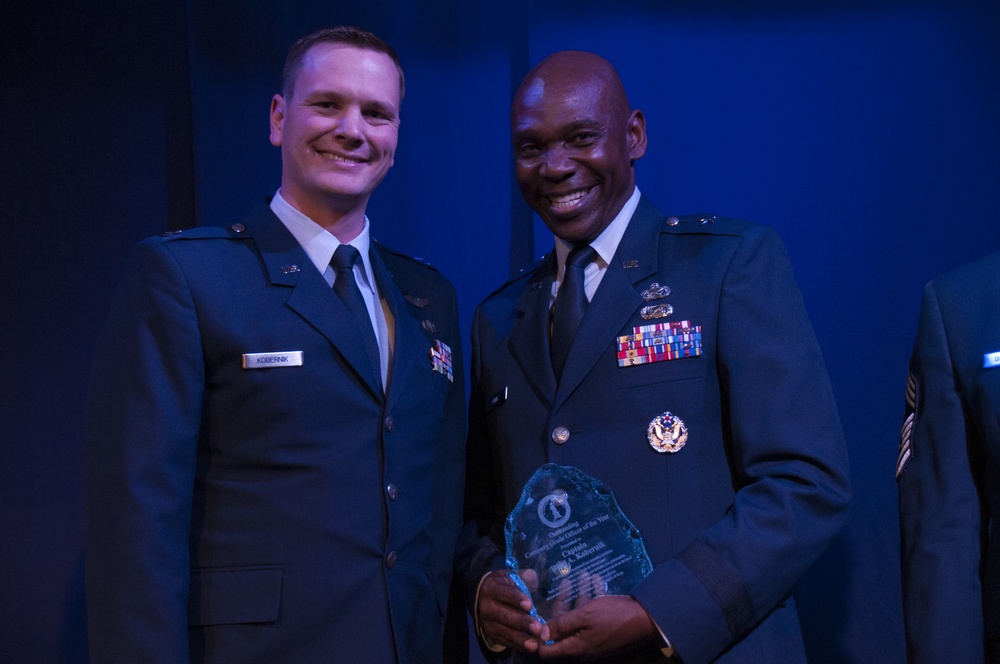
[568, 542]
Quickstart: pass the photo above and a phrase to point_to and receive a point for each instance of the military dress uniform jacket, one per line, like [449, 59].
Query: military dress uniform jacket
[287, 514]
[949, 487]
[732, 519]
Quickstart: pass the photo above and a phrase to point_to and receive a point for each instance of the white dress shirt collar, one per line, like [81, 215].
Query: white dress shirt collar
[606, 244]
[319, 243]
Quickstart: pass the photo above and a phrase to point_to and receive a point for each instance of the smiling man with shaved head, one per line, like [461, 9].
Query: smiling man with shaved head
[670, 357]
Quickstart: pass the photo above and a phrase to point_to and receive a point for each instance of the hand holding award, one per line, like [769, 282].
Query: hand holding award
[569, 542]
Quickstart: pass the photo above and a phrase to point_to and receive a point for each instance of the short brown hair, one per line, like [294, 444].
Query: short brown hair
[340, 34]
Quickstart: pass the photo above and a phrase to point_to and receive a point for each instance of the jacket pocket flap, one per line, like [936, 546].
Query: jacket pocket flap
[234, 595]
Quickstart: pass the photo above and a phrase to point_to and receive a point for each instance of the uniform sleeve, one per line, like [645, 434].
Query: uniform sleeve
[479, 551]
[788, 463]
[939, 511]
[142, 426]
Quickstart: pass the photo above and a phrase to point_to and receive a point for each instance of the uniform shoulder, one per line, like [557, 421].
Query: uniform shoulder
[515, 282]
[418, 279]
[977, 274]
[714, 224]
[235, 231]
[405, 259]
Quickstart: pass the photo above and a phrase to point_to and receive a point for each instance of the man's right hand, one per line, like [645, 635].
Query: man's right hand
[503, 613]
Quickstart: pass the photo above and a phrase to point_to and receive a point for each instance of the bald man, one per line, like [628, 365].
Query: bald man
[724, 449]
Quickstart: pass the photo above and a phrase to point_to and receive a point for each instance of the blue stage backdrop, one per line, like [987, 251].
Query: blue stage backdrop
[866, 133]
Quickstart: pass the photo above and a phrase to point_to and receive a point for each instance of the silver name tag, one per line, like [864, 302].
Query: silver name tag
[288, 358]
[991, 360]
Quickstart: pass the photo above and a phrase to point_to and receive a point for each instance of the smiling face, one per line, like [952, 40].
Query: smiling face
[337, 131]
[574, 142]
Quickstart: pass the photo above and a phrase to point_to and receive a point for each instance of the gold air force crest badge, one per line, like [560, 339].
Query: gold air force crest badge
[667, 433]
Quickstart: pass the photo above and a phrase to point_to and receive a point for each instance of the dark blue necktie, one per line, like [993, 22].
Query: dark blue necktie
[570, 304]
[345, 286]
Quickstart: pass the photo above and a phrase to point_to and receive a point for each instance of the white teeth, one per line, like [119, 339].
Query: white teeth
[336, 157]
[560, 201]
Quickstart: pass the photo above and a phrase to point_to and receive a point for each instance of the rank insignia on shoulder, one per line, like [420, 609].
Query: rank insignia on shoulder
[440, 355]
[659, 342]
[667, 433]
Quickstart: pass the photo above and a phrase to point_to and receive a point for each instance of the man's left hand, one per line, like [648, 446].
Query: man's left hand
[602, 626]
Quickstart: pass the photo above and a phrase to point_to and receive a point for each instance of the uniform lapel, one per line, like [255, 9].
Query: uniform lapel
[409, 344]
[529, 340]
[617, 299]
[310, 297]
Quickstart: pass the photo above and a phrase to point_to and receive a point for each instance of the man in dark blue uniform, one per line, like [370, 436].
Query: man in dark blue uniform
[724, 448]
[276, 426]
[947, 471]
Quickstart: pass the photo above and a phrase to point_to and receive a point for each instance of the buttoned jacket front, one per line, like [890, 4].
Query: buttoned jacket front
[292, 514]
[733, 518]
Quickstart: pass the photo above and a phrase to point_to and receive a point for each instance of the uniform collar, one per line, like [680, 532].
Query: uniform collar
[319, 243]
[606, 244]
